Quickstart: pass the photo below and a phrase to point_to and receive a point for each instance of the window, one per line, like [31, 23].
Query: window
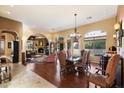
[95, 44]
[95, 41]
[2, 46]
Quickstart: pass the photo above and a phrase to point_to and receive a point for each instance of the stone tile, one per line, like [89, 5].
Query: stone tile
[25, 78]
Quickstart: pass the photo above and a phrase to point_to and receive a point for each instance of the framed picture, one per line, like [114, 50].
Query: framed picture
[120, 41]
[9, 44]
[123, 42]
[120, 34]
[123, 27]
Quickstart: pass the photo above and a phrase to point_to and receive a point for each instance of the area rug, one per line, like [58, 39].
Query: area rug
[40, 59]
[27, 79]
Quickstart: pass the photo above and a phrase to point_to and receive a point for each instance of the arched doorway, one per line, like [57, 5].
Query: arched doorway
[10, 45]
[37, 44]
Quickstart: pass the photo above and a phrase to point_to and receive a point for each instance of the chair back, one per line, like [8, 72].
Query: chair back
[82, 51]
[68, 53]
[87, 57]
[111, 68]
[5, 68]
[4, 60]
[51, 58]
[84, 57]
[62, 57]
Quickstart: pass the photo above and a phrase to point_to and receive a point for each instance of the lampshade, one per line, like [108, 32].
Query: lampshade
[114, 36]
[117, 26]
[75, 36]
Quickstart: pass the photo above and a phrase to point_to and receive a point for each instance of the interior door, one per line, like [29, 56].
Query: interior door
[15, 51]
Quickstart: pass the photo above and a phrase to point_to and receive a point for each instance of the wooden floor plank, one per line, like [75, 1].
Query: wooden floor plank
[50, 72]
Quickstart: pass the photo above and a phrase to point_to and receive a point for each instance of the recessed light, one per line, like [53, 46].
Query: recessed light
[8, 13]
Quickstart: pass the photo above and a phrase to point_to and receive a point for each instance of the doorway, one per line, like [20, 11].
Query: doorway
[9, 45]
[37, 44]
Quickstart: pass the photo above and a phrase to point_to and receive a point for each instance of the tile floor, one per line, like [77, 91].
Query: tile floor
[25, 78]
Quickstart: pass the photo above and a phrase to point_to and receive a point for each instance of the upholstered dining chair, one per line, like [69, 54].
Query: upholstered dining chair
[64, 66]
[5, 68]
[51, 58]
[107, 80]
[81, 65]
[68, 53]
[82, 51]
[88, 62]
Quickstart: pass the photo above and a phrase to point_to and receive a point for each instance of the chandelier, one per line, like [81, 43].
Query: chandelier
[75, 36]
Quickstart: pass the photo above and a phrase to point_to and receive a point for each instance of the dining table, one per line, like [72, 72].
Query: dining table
[73, 59]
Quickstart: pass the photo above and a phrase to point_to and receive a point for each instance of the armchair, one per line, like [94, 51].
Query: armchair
[107, 80]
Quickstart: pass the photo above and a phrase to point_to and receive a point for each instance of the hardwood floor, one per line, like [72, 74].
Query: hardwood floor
[50, 72]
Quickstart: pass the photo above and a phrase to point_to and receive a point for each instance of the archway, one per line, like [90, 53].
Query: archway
[16, 36]
[37, 44]
[11, 44]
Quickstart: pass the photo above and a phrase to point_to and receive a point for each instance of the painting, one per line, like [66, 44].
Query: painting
[123, 42]
[9, 44]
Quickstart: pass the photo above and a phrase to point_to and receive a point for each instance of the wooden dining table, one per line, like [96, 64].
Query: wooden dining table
[73, 59]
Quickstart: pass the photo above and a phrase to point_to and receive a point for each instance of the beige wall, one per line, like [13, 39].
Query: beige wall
[8, 38]
[104, 25]
[11, 25]
[120, 13]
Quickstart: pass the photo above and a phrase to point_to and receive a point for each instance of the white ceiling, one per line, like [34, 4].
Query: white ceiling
[57, 17]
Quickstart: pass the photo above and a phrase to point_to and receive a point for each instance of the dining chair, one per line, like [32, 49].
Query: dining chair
[88, 62]
[68, 53]
[82, 51]
[107, 80]
[81, 65]
[64, 66]
[50, 58]
[5, 68]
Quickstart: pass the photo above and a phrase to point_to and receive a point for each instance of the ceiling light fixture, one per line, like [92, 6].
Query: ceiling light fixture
[75, 36]
[88, 18]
